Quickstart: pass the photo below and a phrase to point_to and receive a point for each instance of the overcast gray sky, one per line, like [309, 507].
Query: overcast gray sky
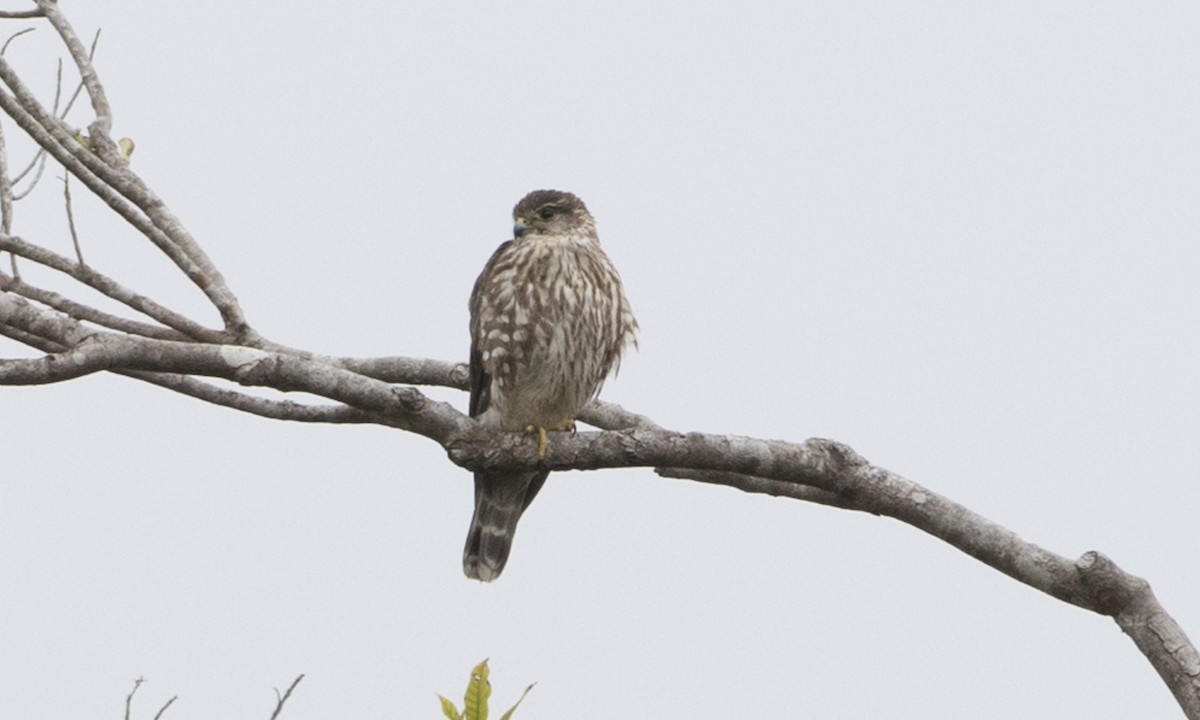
[961, 237]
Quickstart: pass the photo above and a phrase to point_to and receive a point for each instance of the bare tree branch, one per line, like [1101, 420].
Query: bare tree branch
[33, 340]
[102, 125]
[70, 219]
[262, 407]
[6, 190]
[37, 163]
[413, 371]
[19, 14]
[158, 715]
[14, 36]
[87, 313]
[1092, 582]
[842, 477]
[106, 285]
[758, 485]
[129, 698]
[179, 354]
[6, 193]
[95, 350]
[281, 699]
[124, 192]
[39, 158]
[837, 472]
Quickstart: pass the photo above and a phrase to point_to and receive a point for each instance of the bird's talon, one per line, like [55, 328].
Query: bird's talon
[541, 440]
[567, 425]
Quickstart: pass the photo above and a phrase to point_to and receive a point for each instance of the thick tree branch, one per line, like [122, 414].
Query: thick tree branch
[816, 463]
[94, 351]
[1093, 582]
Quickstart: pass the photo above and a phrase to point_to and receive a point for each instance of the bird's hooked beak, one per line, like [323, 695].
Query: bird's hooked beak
[519, 228]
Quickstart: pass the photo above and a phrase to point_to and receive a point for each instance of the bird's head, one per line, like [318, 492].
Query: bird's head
[552, 212]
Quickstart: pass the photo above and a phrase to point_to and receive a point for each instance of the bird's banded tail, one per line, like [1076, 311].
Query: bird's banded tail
[499, 502]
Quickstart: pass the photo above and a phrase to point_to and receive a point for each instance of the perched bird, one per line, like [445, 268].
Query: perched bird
[549, 320]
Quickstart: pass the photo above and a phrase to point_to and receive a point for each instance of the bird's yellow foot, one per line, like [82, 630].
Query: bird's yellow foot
[541, 433]
[568, 424]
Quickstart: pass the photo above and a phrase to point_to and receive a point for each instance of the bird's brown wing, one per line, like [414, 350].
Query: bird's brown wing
[480, 381]
[481, 384]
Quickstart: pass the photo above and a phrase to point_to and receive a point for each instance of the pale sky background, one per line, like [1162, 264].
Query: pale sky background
[963, 238]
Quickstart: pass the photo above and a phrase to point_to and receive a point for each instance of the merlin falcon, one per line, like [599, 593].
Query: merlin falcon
[549, 320]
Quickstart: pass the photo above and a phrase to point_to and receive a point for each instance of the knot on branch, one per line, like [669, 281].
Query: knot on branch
[834, 466]
[841, 457]
[1112, 590]
[480, 448]
[251, 366]
[460, 376]
[95, 349]
[411, 399]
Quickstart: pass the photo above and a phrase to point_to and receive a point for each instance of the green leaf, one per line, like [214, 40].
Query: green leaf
[512, 709]
[478, 692]
[448, 708]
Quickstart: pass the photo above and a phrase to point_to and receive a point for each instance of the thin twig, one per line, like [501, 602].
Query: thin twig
[20, 14]
[39, 158]
[79, 86]
[129, 698]
[158, 715]
[38, 163]
[284, 698]
[14, 36]
[57, 90]
[70, 219]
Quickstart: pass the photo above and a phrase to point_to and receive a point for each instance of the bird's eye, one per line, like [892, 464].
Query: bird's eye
[546, 213]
